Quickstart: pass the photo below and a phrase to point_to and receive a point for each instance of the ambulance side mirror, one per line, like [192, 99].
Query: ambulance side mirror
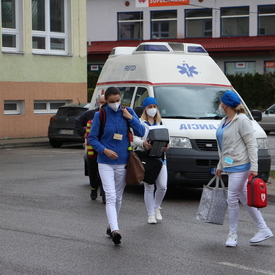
[257, 115]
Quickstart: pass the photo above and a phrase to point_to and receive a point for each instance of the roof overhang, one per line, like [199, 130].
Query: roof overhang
[222, 46]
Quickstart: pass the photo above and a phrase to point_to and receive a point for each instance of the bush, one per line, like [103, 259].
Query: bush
[92, 79]
[258, 91]
[90, 94]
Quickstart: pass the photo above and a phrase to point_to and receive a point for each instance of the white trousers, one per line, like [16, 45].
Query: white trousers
[237, 191]
[153, 201]
[113, 179]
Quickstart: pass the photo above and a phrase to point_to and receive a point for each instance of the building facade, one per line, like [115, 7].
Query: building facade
[43, 62]
[239, 35]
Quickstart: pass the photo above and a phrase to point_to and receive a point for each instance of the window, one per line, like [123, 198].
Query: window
[11, 25]
[240, 67]
[50, 26]
[140, 95]
[235, 21]
[198, 23]
[130, 25]
[126, 95]
[13, 107]
[266, 19]
[163, 24]
[51, 107]
[269, 66]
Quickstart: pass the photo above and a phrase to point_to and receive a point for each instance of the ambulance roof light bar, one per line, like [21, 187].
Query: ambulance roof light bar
[170, 47]
[159, 47]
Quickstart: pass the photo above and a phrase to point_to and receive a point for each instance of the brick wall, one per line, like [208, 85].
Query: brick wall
[30, 124]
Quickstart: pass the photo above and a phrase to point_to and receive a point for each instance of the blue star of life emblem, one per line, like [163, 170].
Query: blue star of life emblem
[185, 69]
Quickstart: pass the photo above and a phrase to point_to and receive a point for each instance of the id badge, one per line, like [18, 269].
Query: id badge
[117, 136]
[228, 160]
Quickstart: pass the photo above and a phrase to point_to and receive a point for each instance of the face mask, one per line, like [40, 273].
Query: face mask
[221, 110]
[114, 106]
[151, 112]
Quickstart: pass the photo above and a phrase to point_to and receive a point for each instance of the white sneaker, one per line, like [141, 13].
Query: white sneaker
[262, 235]
[152, 219]
[232, 239]
[158, 214]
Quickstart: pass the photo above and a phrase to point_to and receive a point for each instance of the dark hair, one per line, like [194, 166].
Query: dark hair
[111, 91]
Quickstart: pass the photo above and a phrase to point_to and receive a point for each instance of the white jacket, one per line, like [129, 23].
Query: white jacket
[138, 141]
[239, 143]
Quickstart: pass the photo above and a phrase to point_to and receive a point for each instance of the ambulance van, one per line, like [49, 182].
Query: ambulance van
[188, 85]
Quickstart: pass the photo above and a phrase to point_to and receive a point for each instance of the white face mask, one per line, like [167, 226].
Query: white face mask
[114, 106]
[221, 110]
[151, 112]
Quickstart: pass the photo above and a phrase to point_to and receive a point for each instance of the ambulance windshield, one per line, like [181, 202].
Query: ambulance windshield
[189, 101]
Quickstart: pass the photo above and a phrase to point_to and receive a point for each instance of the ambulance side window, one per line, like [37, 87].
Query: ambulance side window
[126, 95]
[140, 95]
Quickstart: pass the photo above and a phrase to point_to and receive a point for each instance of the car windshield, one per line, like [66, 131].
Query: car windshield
[189, 101]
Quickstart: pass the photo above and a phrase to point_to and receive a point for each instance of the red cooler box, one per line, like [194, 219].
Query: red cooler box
[256, 192]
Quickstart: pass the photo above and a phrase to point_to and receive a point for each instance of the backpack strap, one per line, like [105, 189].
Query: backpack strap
[102, 119]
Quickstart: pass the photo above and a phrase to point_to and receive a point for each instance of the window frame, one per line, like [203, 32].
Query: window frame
[48, 109]
[47, 34]
[240, 61]
[266, 68]
[264, 15]
[162, 20]
[233, 16]
[19, 107]
[204, 30]
[140, 21]
[17, 31]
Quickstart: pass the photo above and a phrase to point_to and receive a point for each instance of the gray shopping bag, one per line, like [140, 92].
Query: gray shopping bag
[213, 203]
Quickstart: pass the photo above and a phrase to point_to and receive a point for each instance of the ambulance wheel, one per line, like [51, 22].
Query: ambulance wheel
[55, 143]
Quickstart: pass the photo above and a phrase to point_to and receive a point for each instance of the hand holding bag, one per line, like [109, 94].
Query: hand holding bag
[134, 169]
[213, 203]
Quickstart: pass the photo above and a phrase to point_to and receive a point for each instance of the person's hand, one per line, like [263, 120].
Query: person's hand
[218, 173]
[146, 144]
[165, 149]
[254, 173]
[110, 153]
[126, 113]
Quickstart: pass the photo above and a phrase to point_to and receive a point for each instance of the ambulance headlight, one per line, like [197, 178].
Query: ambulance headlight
[262, 143]
[180, 142]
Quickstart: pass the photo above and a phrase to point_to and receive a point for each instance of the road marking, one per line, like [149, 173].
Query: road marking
[243, 267]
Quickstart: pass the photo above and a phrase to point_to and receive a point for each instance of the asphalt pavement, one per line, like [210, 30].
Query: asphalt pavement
[44, 141]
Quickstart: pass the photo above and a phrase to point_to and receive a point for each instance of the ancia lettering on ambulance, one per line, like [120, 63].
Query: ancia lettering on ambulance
[198, 126]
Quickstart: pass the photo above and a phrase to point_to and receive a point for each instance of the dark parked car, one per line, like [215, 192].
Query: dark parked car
[268, 119]
[62, 124]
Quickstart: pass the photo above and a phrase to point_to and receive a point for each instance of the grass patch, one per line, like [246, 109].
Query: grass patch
[272, 173]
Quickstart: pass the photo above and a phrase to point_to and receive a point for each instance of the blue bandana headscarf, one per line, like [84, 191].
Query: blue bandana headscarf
[148, 101]
[230, 99]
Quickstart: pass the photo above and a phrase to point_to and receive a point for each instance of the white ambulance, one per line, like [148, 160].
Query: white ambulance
[187, 84]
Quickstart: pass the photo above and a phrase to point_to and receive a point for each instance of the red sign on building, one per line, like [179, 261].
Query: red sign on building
[161, 3]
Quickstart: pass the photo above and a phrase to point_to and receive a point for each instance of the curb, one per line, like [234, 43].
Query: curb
[24, 142]
[17, 145]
